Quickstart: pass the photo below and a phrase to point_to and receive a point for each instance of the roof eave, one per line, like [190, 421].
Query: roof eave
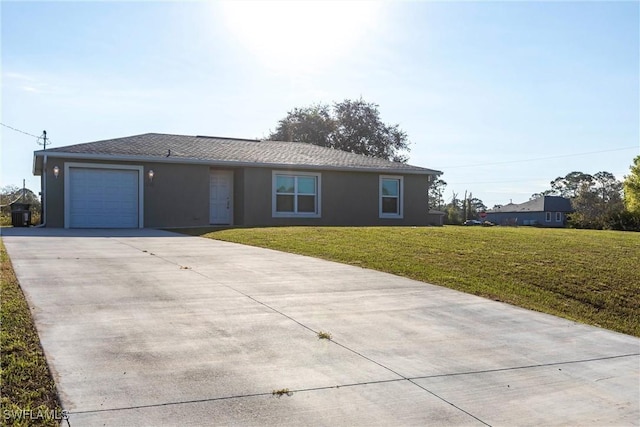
[183, 160]
[37, 165]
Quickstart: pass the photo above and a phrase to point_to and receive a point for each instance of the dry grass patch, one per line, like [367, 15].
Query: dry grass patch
[28, 392]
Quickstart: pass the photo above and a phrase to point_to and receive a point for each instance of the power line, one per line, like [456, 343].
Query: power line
[18, 130]
[509, 181]
[38, 138]
[493, 182]
[539, 158]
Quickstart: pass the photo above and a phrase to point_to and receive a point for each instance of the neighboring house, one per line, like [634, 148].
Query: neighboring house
[158, 180]
[547, 211]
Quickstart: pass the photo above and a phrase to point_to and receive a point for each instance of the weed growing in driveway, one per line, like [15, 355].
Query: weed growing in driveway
[324, 335]
[282, 392]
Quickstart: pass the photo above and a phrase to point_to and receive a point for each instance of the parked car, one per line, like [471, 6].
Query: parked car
[472, 222]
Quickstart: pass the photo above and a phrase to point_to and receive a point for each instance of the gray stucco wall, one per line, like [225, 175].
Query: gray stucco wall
[53, 202]
[179, 197]
[347, 198]
[238, 196]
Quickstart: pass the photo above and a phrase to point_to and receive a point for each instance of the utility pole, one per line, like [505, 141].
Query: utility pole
[464, 207]
[42, 139]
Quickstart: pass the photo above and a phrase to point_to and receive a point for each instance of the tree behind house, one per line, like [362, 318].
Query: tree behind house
[436, 195]
[353, 126]
[596, 199]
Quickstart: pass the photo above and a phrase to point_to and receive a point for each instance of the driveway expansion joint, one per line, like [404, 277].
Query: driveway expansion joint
[488, 338]
[515, 368]
[402, 377]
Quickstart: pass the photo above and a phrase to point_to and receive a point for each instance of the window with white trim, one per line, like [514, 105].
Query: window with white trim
[547, 216]
[558, 216]
[296, 194]
[391, 196]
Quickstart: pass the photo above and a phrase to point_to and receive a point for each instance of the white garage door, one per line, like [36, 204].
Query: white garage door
[103, 198]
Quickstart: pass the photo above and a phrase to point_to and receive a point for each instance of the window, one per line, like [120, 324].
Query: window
[547, 216]
[558, 216]
[296, 194]
[391, 197]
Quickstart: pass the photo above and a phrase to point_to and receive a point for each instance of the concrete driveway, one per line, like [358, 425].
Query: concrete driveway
[149, 328]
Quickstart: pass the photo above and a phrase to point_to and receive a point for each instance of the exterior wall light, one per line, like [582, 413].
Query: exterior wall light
[150, 174]
[56, 171]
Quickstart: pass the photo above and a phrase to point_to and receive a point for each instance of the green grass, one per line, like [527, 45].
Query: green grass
[26, 383]
[583, 275]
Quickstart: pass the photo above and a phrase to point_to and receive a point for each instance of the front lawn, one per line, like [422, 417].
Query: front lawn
[583, 275]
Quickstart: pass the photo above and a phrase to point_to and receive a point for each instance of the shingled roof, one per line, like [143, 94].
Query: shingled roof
[228, 151]
[540, 204]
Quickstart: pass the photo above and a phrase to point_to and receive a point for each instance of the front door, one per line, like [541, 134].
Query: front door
[220, 197]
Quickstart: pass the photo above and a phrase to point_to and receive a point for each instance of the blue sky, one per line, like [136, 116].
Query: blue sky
[502, 97]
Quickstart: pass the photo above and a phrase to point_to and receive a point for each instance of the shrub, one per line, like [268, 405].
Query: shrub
[624, 221]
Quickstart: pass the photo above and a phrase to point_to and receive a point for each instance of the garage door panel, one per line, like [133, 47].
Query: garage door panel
[103, 198]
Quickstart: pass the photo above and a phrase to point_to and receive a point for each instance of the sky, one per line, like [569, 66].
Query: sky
[501, 96]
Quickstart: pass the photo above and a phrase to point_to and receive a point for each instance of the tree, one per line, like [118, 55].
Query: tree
[568, 185]
[542, 194]
[596, 199]
[353, 126]
[457, 211]
[608, 186]
[436, 192]
[475, 206]
[632, 188]
[453, 210]
[609, 191]
[313, 125]
[12, 193]
[587, 209]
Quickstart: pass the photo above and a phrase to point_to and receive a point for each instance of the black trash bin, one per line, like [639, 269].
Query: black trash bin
[20, 215]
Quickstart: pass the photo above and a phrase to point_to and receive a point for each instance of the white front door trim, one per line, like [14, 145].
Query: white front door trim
[221, 203]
